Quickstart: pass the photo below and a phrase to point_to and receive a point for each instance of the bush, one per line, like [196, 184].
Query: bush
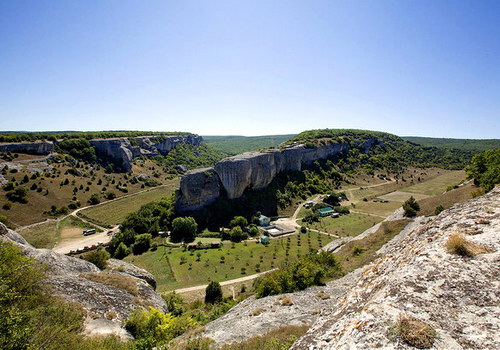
[141, 244]
[175, 303]
[18, 194]
[97, 257]
[253, 231]
[213, 293]
[94, 199]
[415, 332]
[237, 235]
[303, 229]
[121, 251]
[438, 209]
[457, 244]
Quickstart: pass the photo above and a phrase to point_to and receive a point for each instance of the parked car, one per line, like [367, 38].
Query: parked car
[89, 232]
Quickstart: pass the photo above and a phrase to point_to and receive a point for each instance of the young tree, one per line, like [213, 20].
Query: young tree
[184, 229]
[411, 207]
[121, 251]
[141, 243]
[239, 221]
[213, 293]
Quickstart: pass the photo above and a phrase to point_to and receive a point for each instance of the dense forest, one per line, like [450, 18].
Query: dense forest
[485, 169]
[462, 144]
[232, 145]
[88, 135]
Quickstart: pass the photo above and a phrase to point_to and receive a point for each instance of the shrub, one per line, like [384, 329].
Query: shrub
[239, 221]
[141, 244]
[237, 235]
[303, 229]
[175, 303]
[97, 257]
[121, 251]
[415, 332]
[94, 199]
[18, 194]
[213, 293]
[438, 209]
[411, 207]
[457, 244]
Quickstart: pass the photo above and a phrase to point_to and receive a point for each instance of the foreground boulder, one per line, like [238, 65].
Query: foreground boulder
[109, 295]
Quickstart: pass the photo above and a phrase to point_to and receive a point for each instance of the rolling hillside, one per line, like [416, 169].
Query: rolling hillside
[238, 144]
[462, 144]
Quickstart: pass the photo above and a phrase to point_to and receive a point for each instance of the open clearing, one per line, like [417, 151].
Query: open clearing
[346, 225]
[437, 185]
[239, 260]
[377, 208]
[400, 196]
[448, 199]
[53, 232]
[114, 212]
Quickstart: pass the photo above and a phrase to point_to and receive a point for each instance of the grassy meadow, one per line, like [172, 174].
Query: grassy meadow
[114, 212]
[175, 268]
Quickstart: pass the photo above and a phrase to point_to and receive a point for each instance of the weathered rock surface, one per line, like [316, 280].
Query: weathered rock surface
[70, 279]
[42, 147]
[120, 266]
[459, 297]
[122, 150]
[247, 171]
[198, 188]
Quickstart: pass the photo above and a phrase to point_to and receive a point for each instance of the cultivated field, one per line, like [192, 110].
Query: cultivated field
[114, 212]
[229, 262]
[437, 185]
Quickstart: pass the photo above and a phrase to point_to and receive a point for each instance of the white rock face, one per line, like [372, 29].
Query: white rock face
[459, 297]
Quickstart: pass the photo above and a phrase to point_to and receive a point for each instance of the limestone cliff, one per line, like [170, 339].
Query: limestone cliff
[252, 170]
[28, 147]
[79, 281]
[122, 150]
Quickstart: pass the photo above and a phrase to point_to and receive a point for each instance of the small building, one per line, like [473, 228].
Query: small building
[335, 215]
[264, 220]
[325, 211]
[192, 245]
[264, 239]
[215, 244]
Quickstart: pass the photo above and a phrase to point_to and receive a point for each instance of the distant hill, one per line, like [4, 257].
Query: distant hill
[238, 144]
[462, 144]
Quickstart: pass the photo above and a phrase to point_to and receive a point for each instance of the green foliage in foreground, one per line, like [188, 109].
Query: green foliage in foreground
[232, 145]
[299, 275]
[32, 319]
[485, 169]
[462, 144]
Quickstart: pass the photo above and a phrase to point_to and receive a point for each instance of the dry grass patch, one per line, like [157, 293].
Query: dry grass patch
[322, 295]
[257, 311]
[414, 332]
[284, 301]
[281, 338]
[447, 200]
[357, 253]
[457, 244]
[115, 280]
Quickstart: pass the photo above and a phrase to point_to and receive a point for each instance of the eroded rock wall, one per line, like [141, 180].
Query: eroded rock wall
[123, 151]
[28, 147]
[252, 170]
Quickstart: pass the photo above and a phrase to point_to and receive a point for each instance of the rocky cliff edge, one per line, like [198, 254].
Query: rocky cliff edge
[108, 296]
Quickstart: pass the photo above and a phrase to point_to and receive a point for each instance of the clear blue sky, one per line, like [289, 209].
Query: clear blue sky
[426, 67]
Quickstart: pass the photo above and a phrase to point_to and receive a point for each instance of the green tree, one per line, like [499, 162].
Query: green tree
[411, 207]
[213, 293]
[485, 169]
[184, 229]
[94, 199]
[121, 251]
[239, 221]
[141, 244]
[18, 194]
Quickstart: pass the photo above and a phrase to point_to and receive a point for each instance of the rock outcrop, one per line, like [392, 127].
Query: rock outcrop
[122, 150]
[457, 296]
[42, 147]
[248, 171]
[105, 295]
